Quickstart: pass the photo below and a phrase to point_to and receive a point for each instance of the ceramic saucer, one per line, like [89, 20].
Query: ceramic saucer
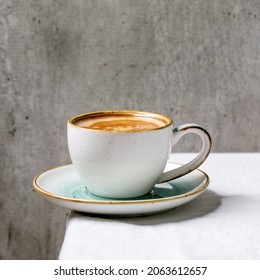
[62, 186]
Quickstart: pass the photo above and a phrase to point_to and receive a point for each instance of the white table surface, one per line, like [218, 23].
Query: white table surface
[222, 223]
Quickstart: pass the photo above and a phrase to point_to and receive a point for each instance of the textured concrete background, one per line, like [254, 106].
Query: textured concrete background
[197, 61]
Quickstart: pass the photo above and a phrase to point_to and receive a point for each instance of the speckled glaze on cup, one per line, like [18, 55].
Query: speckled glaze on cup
[129, 164]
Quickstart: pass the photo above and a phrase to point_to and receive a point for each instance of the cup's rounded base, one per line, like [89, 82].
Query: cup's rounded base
[118, 196]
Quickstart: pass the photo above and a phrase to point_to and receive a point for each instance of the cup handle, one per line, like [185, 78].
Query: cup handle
[178, 132]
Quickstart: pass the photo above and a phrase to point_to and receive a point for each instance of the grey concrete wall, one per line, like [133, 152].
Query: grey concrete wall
[197, 61]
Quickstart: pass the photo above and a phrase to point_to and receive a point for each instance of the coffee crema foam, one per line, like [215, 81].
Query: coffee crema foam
[120, 124]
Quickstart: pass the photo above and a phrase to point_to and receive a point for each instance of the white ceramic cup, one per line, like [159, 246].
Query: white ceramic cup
[127, 164]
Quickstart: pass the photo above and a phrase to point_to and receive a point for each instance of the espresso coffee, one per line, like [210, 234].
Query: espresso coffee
[120, 123]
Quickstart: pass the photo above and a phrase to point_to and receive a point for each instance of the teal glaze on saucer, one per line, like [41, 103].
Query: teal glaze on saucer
[77, 190]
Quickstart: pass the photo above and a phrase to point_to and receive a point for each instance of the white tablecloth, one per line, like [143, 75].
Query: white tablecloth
[222, 223]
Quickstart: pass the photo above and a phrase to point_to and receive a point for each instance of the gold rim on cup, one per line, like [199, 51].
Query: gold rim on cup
[131, 113]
